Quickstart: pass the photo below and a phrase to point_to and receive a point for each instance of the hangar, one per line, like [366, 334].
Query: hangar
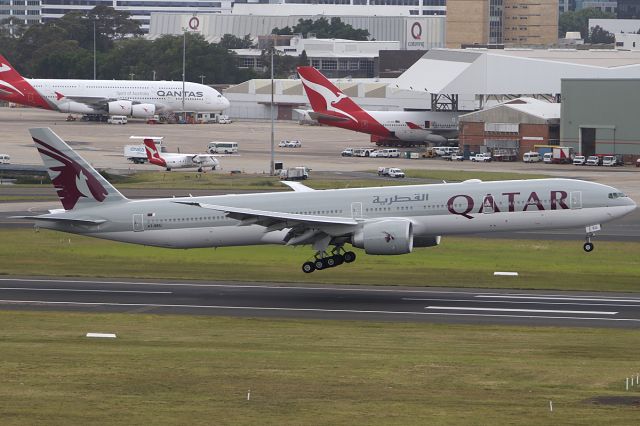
[599, 116]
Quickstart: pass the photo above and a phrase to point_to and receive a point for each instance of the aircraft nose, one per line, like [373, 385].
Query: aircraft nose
[225, 102]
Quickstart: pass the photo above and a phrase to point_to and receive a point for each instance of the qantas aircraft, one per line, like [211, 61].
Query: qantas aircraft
[179, 161]
[140, 99]
[381, 220]
[333, 108]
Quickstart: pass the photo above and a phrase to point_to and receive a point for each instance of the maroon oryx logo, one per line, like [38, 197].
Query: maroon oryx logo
[388, 237]
[70, 179]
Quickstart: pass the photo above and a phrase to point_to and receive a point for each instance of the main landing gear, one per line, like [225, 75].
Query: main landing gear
[591, 232]
[324, 260]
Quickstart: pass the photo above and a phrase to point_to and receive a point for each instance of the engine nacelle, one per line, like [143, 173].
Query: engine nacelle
[143, 110]
[120, 108]
[393, 236]
[426, 241]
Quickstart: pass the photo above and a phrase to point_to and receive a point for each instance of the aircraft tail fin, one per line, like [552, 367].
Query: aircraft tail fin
[14, 88]
[78, 184]
[324, 96]
[153, 153]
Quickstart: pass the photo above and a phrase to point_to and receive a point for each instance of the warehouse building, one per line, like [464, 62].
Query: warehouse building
[599, 116]
[510, 129]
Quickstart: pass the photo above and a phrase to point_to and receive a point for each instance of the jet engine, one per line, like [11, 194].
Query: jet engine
[426, 241]
[393, 236]
[120, 108]
[143, 110]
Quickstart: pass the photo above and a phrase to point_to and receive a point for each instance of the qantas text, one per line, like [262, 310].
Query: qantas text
[178, 93]
[463, 204]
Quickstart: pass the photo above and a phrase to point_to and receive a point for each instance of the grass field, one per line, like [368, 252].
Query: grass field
[197, 371]
[459, 262]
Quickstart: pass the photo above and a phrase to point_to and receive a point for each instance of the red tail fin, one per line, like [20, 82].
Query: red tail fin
[153, 155]
[324, 96]
[14, 88]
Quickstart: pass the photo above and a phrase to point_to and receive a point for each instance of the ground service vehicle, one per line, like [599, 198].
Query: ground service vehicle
[611, 161]
[547, 158]
[562, 155]
[594, 160]
[482, 157]
[389, 220]
[5, 159]
[531, 157]
[456, 157]
[347, 152]
[216, 147]
[395, 172]
[117, 119]
[579, 160]
[295, 173]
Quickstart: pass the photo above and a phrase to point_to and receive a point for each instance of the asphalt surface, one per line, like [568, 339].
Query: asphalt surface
[438, 305]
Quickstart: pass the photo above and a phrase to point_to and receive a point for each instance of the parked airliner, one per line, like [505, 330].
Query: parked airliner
[381, 220]
[134, 98]
[333, 108]
[178, 161]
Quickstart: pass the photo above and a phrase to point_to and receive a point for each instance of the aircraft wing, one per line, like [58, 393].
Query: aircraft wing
[92, 101]
[304, 229]
[327, 117]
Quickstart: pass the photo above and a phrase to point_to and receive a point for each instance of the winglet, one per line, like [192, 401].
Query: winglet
[297, 186]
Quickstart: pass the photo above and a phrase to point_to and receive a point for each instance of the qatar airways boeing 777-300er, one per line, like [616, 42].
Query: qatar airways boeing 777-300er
[334, 108]
[388, 220]
[133, 98]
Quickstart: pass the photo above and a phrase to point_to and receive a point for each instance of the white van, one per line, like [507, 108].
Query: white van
[531, 157]
[117, 119]
[391, 153]
[5, 159]
[216, 147]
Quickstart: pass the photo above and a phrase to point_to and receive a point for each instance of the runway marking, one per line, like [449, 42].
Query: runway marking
[256, 308]
[424, 299]
[544, 311]
[580, 298]
[85, 290]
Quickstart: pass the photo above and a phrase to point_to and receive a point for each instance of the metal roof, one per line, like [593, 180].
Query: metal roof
[513, 71]
[538, 111]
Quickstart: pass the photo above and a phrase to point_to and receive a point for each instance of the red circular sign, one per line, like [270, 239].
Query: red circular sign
[416, 31]
[194, 23]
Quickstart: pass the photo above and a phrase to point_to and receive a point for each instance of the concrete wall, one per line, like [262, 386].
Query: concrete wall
[610, 106]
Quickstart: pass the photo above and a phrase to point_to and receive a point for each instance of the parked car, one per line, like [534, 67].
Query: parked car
[531, 157]
[377, 154]
[283, 143]
[347, 152]
[638, 162]
[456, 157]
[611, 161]
[5, 159]
[579, 160]
[594, 160]
[294, 144]
[547, 158]
[117, 119]
[482, 157]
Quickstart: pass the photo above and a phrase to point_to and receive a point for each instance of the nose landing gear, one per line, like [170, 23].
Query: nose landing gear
[324, 260]
[591, 232]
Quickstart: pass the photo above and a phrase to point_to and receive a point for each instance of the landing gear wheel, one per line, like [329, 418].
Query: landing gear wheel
[588, 247]
[168, 169]
[308, 267]
[339, 259]
[200, 169]
[330, 262]
[319, 264]
[349, 256]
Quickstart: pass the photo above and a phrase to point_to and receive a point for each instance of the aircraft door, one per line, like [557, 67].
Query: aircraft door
[138, 222]
[356, 210]
[576, 200]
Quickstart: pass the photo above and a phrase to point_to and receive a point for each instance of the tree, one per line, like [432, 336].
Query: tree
[229, 41]
[579, 21]
[599, 35]
[303, 60]
[322, 28]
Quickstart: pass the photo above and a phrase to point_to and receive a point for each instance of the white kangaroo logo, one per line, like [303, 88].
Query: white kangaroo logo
[329, 97]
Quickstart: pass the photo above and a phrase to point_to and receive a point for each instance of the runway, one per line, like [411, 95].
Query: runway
[438, 305]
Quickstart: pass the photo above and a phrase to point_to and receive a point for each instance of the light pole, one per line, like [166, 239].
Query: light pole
[184, 57]
[154, 75]
[202, 76]
[272, 164]
[94, 49]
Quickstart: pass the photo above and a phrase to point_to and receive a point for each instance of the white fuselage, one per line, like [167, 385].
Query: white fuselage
[444, 124]
[189, 161]
[433, 210]
[92, 96]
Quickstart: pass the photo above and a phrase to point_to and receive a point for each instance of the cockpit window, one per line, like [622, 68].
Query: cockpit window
[614, 195]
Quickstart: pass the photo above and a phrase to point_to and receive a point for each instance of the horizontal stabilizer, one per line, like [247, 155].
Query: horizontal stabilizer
[63, 219]
[297, 186]
[327, 117]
